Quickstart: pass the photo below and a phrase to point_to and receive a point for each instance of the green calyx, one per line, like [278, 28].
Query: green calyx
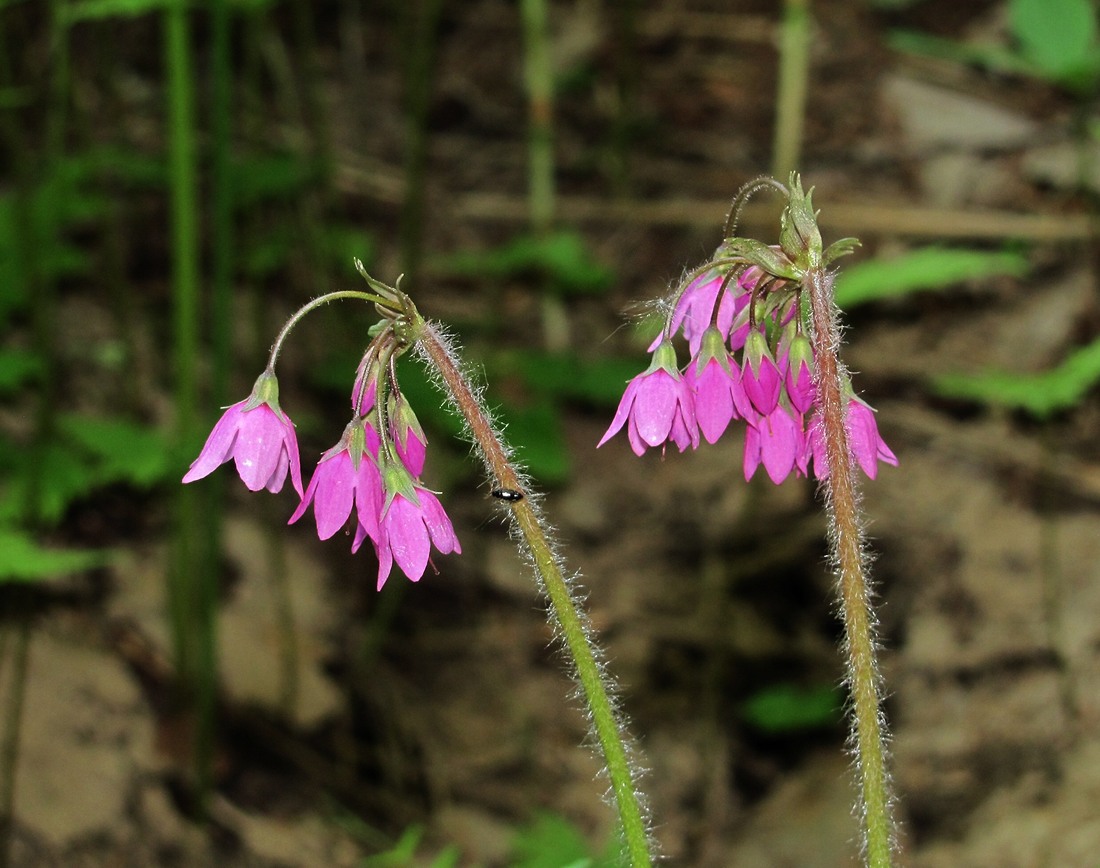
[265, 391]
[768, 259]
[713, 346]
[799, 236]
[396, 480]
[664, 358]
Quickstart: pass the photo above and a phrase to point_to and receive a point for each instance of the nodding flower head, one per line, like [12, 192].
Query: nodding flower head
[260, 439]
[743, 316]
[657, 407]
[412, 520]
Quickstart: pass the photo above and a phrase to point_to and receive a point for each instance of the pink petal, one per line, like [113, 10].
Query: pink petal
[368, 497]
[335, 494]
[714, 408]
[407, 537]
[654, 407]
[259, 444]
[307, 498]
[623, 411]
[779, 445]
[219, 445]
[439, 525]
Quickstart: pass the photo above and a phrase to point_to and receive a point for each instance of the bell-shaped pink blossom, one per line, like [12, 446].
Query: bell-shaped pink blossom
[799, 375]
[713, 378]
[658, 406]
[408, 435]
[412, 521]
[864, 442]
[347, 476]
[760, 376]
[777, 442]
[260, 439]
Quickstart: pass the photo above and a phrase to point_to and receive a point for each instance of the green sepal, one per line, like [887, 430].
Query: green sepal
[768, 259]
[799, 236]
[265, 391]
[396, 479]
[713, 346]
[840, 248]
[664, 358]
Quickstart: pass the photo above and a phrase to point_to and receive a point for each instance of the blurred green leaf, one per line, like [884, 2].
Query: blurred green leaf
[18, 367]
[1057, 36]
[341, 244]
[997, 58]
[60, 477]
[1041, 395]
[786, 708]
[924, 269]
[551, 841]
[94, 10]
[535, 432]
[565, 375]
[121, 450]
[260, 178]
[87, 454]
[22, 559]
[561, 258]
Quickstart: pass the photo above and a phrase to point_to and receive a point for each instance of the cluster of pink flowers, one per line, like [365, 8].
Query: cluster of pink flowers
[374, 470]
[750, 360]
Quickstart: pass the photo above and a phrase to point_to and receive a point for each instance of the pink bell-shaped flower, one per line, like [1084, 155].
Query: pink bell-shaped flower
[760, 375]
[777, 442]
[260, 439]
[658, 406]
[713, 378]
[347, 476]
[864, 441]
[801, 388]
[412, 521]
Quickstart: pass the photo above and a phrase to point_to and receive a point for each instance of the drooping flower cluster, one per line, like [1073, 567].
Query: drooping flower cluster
[373, 471]
[750, 359]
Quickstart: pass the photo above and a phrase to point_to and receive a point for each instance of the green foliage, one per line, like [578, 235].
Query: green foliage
[266, 177]
[22, 559]
[786, 708]
[553, 842]
[565, 375]
[18, 367]
[534, 431]
[1055, 40]
[87, 454]
[96, 10]
[924, 269]
[1058, 38]
[1041, 395]
[560, 258]
[403, 854]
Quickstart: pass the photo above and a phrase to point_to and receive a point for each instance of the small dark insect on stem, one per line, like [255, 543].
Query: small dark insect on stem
[508, 495]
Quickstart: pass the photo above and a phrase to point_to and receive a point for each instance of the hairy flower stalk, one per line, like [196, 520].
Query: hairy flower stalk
[370, 480]
[846, 541]
[761, 327]
[572, 623]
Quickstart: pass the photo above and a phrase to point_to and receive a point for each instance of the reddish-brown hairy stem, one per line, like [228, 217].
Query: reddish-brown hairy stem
[846, 543]
[572, 624]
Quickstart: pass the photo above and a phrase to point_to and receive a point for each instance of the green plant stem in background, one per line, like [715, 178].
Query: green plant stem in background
[221, 214]
[192, 588]
[419, 37]
[574, 631]
[538, 78]
[847, 551]
[790, 101]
